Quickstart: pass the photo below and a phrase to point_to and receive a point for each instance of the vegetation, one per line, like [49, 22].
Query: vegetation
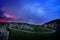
[17, 34]
[41, 29]
[21, 35]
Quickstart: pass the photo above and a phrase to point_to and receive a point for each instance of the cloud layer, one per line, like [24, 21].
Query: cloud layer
[32, 11]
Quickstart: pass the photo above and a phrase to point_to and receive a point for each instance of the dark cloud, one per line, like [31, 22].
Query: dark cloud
[4, 17]
[1, 12]
[1, 15]
[32, 11]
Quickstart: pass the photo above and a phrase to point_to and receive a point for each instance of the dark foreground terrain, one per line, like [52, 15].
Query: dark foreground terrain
[22, 35]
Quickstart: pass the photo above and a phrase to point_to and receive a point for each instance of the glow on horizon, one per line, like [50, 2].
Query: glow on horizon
[33, 11]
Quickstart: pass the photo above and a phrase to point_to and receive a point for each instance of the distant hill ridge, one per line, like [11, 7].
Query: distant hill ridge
[53, 21]
[52, 24]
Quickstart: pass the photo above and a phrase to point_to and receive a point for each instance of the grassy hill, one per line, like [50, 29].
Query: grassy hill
[40, 31]
[18, 35]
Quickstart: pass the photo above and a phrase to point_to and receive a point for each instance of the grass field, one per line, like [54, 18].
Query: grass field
[18, 35]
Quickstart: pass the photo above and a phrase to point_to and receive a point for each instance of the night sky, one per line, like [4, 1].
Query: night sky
[29, 11]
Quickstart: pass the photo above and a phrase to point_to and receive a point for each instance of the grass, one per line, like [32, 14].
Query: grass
[18, 35]
[41, 29]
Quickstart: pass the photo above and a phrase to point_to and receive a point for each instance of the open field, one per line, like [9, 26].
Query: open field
[38, 32]
[17, 34]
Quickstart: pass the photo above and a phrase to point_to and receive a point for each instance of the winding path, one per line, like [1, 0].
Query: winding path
[52, 31]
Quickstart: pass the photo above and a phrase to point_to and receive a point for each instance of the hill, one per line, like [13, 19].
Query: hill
[52, 24]
[54, 21]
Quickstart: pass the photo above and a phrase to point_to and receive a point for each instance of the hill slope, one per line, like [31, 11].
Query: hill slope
[52, 24]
